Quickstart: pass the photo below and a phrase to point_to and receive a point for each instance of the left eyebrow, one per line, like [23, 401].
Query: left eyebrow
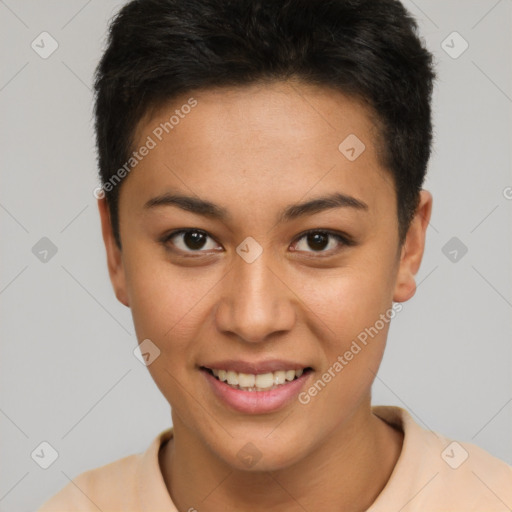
[335, 200]
[293, 211]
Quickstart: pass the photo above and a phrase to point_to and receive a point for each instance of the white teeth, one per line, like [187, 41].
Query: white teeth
[290, 374]
[265, 380]
[280, 377]
[232, 378]
[260, 382]
[246, 380]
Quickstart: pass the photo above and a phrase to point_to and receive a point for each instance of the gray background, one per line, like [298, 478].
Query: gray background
[68, 375]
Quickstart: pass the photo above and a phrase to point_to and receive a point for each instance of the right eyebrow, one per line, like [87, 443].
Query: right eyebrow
[191, 204]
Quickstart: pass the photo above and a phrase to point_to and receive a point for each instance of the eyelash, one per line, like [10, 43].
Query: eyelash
[344, 240]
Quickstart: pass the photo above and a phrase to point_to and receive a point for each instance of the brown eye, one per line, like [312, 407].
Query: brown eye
[194, 240]
[190, 240]
[319, 241]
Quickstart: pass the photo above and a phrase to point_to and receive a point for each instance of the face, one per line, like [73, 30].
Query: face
[255, 250]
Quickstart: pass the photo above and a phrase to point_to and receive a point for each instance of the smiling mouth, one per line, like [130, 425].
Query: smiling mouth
[256, 382]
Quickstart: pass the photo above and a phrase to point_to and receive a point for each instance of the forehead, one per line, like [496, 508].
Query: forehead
[266, 114]
[254, 142]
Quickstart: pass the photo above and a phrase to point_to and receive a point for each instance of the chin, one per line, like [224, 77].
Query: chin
[256, 453]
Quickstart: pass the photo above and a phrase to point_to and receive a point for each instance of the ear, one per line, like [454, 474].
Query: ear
[114, 254]
[412, 249]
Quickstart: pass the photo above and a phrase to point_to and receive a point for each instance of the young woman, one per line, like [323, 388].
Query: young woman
[264, 218]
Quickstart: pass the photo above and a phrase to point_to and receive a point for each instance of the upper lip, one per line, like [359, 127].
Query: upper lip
[251, 367]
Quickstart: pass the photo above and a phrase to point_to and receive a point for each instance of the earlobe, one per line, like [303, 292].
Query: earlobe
[412, 249]
[114, 255]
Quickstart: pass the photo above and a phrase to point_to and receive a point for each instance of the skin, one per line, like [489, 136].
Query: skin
[255, 150]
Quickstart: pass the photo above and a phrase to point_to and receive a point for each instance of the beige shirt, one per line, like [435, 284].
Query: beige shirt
[433, 473]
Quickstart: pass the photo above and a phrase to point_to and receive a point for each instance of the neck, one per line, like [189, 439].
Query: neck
[348, 470]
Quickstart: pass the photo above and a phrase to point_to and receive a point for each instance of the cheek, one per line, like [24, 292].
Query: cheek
[355, 308]
[170, 306]
[349, 301]
[163, 298]
[166, 306]
[358, 314]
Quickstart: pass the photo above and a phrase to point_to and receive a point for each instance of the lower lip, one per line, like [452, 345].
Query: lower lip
[256, 402]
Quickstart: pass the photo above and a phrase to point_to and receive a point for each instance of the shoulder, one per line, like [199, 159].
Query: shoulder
[435, 472]
[98, 489]
[473, 476]
[118, 485]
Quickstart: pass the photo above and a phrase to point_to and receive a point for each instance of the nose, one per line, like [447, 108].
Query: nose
[256, 302]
